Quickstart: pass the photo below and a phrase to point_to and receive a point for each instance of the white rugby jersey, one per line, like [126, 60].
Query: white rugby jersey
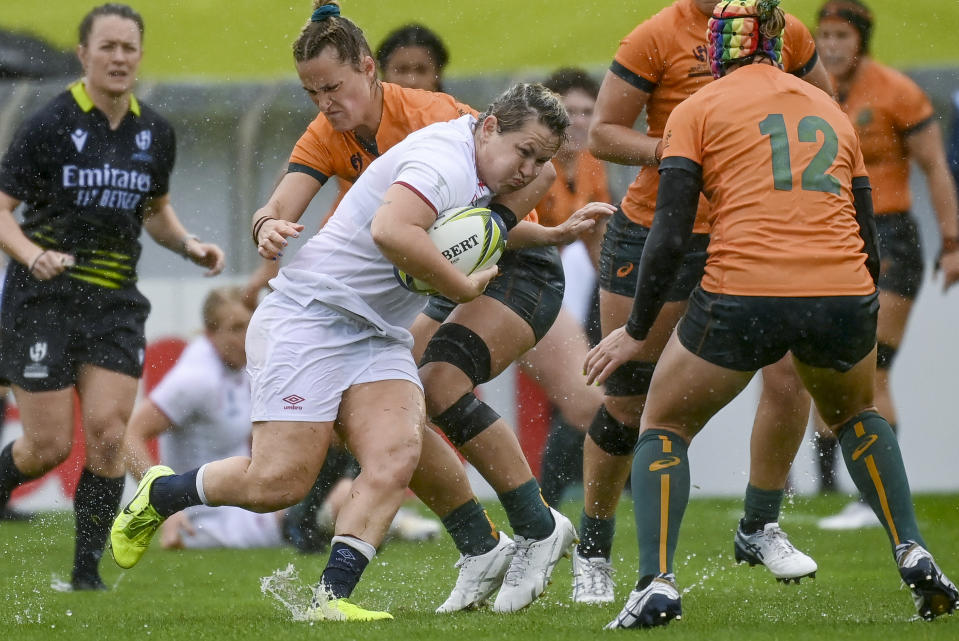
[342, 267]
[209, 406]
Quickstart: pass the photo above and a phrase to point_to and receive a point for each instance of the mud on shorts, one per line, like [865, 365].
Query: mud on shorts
[622, 249]
[49, 328]
[746, 333]
[530, 282]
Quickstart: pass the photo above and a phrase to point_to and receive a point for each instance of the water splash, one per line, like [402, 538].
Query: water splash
[291, 593]
[59, 585]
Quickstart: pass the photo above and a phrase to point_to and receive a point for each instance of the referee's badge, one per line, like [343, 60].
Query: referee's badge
[143, 140]
[38, 351]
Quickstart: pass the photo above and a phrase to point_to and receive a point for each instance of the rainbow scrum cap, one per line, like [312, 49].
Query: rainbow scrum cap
[734, 33]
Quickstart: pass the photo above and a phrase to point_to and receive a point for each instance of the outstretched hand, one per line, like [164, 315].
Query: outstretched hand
[272, 234]
[206, 255]
[581, 221]
[614, 350]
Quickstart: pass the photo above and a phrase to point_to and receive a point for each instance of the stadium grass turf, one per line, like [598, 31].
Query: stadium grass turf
[216, 595]
[250, 39]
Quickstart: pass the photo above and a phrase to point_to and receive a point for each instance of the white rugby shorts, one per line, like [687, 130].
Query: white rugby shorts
[302, 359]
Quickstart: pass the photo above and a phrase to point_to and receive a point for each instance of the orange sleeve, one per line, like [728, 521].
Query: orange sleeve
[310, 150]
[640, 54]
[859, 165]
[683, 136]
[911, 106]
[799, 46]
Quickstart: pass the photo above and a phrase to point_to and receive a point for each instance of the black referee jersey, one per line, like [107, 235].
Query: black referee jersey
[85, 185]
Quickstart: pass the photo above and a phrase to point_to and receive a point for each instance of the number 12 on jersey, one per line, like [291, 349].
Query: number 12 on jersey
[814, 176]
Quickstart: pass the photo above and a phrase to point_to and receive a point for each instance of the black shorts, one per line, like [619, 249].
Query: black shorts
[746, 333]
[530, 282]
[622, 249]
[49, 328]
[901, 265]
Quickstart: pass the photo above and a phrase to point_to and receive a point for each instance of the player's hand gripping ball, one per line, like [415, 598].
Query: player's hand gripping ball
[471, 238]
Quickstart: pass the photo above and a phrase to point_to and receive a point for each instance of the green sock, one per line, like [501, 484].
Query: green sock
[761, 507]
[874, 461]
[596, 537]
[472, 530]
[660, 483]
[527, 512]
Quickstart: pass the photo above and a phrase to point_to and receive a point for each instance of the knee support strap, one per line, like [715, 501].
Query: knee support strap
[885, 355]
[630, 379]
[461, 347]
[465, 419]
[612, 436]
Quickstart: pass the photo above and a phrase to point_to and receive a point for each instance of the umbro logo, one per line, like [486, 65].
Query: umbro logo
[79, 138]
[293, 401]
[346, 554]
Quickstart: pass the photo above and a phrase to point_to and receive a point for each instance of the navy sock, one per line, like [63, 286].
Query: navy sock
[95, 503]
[10, 476]
[170, 494]
[343, 570]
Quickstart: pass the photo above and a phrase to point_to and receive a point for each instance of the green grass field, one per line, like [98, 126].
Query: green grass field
[245, 39]
[216, 594]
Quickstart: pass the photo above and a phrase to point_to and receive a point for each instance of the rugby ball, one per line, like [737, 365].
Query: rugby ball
[471, 238]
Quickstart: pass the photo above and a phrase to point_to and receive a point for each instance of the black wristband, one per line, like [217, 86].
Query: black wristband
[505, 213]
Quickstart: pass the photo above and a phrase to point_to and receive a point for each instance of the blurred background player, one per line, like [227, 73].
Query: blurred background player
[792, 269]
[201, 412]
[556, 361]
[659, 64]
[413, 56]
[72, 317]
[896, 126]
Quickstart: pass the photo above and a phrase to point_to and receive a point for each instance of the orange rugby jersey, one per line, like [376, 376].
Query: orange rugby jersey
[569, 193]
[885, 106]
[778, 158]
[666, 56]
[323, 152]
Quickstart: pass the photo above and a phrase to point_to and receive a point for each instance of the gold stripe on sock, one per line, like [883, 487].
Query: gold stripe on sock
[667, 445]
[663, 519]
[881, 491]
